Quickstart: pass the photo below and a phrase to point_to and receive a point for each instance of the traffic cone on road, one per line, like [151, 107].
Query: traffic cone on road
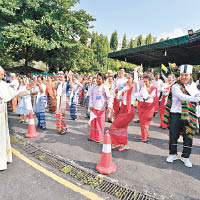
[31, 126]
[106, 166]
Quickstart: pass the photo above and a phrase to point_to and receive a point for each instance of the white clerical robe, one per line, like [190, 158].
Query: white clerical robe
[6, 94]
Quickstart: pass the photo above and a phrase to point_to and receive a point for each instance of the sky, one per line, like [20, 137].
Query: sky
[161, 18]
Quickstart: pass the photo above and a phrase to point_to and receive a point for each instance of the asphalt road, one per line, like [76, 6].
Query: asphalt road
[143, 168]
[23, 182]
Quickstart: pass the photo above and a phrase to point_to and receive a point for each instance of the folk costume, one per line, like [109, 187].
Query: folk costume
[51, 97]
[119, 127]
[74, 99]
[158, 84]
[119, 84]
[39, 105]
[87, 89]
[110, 114]
[181, 117]
[99, 98]
[61, 107]
[165, 92]
[146, 108]
[24, 104]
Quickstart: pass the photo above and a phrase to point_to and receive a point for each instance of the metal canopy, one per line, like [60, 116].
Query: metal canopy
[181, 50]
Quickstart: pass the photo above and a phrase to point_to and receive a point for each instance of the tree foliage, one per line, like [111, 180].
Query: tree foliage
[124, 42]
[149, 39]
[43, 30]
[140, 41]
[114, 41]
[131, 44]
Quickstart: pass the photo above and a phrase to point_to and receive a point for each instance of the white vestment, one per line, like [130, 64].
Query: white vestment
[6, 94]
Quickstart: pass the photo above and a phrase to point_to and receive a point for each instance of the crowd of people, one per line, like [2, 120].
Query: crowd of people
[107, 98]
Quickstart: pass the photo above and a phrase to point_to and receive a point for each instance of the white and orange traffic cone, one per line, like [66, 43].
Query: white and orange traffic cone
[31, 126]
[106, 166]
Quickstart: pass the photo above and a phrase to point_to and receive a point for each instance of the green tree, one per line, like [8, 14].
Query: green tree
[124, 42]
[161, 39]
[149, 39]
[131, 44]
[43, 30]
[140, 41]
[114, 41]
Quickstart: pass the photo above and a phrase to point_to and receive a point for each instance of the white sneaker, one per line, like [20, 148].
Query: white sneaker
[186, 162]
[171, 158]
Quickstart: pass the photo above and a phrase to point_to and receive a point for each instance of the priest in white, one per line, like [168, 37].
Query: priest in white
[6, 94]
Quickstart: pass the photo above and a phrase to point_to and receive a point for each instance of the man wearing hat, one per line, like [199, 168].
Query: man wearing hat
[180, 114]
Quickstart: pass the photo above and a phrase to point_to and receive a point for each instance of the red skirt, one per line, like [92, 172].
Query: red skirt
[162, 111]
[119, 127]
[97, 126]
[156, 104]
[116, 106]
[145, 111]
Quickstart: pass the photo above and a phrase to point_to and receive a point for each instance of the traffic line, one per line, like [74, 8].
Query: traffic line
[60, 180]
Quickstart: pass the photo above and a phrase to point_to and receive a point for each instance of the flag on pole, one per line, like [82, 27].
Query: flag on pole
[173, 66]
[174, 69]
[164, 69]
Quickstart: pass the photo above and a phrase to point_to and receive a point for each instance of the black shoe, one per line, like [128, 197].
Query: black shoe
[109, 120]
[42, 127]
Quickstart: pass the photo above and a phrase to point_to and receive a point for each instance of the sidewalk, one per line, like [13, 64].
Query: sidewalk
[143, 167]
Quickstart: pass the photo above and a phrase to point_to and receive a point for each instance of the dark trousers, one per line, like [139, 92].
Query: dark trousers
[176, 127]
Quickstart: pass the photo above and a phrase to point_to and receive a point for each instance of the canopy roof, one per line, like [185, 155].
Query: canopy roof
[181, 50]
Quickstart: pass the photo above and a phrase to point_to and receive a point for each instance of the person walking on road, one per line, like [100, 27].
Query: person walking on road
[119, 127]
[99, 98]
[180, 115]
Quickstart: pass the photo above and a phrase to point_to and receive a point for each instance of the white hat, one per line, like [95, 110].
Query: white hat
[186, 69]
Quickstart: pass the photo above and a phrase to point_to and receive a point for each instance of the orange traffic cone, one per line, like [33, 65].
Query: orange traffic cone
[31, 126]
[106, 166]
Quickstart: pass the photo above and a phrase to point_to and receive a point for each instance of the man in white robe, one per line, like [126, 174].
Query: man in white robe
[6, 94]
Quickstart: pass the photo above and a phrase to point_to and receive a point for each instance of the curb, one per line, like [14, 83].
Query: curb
[85, 176]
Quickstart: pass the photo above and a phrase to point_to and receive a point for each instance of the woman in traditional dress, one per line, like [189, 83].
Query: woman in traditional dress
[24, 104]
[86, 90]
[51, 98]
[99, 98]
[75, 85]
[119, 127]
[40, 102]
[146, 106]
[110, 85]
[61, 106]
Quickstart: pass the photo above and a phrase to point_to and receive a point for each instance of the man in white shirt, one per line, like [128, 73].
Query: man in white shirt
[183, 92]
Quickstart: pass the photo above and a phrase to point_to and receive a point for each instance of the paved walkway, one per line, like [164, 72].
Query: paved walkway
[142, 168]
